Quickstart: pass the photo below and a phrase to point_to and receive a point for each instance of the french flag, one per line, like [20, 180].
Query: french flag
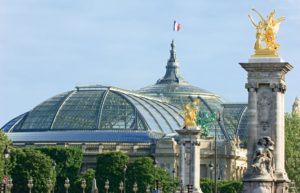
[176, 26]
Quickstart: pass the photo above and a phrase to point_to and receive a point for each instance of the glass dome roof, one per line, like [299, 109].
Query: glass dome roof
[98, 112]
[178, 92]
[99, 108]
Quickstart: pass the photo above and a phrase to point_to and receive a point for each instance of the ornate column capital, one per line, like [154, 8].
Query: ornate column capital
[251, 87]
[278, 87]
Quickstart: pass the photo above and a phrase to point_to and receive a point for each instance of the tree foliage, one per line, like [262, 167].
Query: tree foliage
[144, 173]
[292, 147]
[27, 163]
[110, 166]
[88, 175]
[207, 186]
[3, 142]
[68, 162]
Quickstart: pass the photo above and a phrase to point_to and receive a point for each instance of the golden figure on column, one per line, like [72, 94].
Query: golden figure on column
[266, 31]
[190, 112]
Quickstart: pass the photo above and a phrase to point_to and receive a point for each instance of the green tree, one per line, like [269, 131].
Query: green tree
[292, 147]
[144, 173]
[27, 163]
[110, 166]
[224, 186]
[68, 162]
[3, 142]
[88, 175]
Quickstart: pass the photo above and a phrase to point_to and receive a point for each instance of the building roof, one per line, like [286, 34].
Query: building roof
[99, 108]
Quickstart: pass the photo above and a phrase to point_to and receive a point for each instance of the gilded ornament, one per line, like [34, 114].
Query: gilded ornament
[266, 32]
[190, 112]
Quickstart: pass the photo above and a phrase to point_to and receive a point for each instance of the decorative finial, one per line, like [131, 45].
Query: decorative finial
[172, 52]
[266, 31]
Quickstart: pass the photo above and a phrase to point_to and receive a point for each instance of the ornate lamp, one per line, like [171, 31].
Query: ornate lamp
[49, 185]
[135, 188]
[106, 186]
[9, 185]
[83, 185]
[67, 184]
[121, 187]
[148, 189]
[30, 184]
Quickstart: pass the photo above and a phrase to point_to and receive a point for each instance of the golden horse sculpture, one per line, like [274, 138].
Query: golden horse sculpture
[190, 113]
[266, 31]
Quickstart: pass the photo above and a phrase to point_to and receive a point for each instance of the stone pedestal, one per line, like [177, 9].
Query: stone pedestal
[266, 87]
[189, 141]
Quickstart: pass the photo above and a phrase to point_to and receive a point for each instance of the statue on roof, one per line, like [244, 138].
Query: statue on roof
[266, 31]
[190, 113]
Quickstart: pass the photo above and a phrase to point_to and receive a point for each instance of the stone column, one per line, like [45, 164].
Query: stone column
[252, 123]
[266, 86]
[191, 138]
[182, 163]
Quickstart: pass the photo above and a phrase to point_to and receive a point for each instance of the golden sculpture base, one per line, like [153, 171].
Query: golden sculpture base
[262, 53]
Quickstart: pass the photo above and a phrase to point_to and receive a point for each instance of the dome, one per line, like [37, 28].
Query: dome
[178, 91]
[98, 108]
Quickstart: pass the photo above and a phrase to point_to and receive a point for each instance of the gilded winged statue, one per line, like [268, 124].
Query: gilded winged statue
[266, 31]
[190, 113]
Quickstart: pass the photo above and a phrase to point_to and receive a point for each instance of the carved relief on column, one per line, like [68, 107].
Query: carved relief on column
[265, 106]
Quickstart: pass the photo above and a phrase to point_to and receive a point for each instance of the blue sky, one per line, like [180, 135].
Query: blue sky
[49, 46]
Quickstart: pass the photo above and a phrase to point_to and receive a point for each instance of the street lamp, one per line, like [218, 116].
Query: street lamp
[6, 156]
[49, 185]
[135, 188]
[67, 184]
[155, 180]
[124, 177]
[30, 184]
[173, 171]
[106, 186]
[211, 168]
[9, 185]
[83, 185]
[54, 167]
[121, 187]
[148, 189]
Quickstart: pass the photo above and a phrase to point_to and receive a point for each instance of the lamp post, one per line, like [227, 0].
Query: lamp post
[30, 184]
[6, 156]
[211, 168]
[124, 177]
[148, 189]
[9, 185]
[83, 185]
[215, 158]
[173, 172]
[121, 187]
[54, 168]
[49, 185]
[135, 188]
[155, 180]
[67, 184]
[106, 186]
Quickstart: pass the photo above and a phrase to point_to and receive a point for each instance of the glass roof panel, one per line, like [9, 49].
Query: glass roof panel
[155, 111]
[118, 113]
[79, 111]
[42, 116]
[150, 120]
